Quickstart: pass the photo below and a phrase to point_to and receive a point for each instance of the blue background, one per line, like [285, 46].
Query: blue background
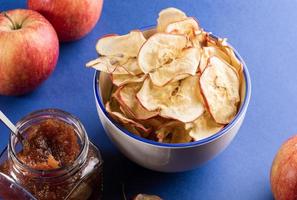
[264, 32]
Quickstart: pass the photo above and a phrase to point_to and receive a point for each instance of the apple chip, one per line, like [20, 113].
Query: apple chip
[122, 79]
[127, 95]
[123, 119]
[115, 65]
[178, 69]
[168, 16]
[223, 45]
[160, 49]
[152, 97]
[125, 45]
[234, 61]
[208, 52]
[200, 39]
[179, 100]
[133, 129]
[132, 67]
[173, 132]
[203, 127]
[155, 122]
[125, 110]
[220, 87]
[109, 64]
[187, 27]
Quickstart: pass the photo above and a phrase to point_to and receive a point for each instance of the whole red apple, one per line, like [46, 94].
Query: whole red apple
[283, 176]
[72, 19]
[29, 49]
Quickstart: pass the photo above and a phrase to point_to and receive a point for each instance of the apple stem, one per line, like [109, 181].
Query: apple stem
[14, 25]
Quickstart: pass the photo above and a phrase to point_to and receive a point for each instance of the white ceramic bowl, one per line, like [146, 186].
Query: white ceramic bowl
[167, 157]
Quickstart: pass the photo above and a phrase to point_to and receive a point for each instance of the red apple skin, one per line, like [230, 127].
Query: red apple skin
[72, 19]
[283, 176]
[29, 54]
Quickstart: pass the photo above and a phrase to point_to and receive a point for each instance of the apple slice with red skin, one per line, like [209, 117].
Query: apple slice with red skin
[168, 16]
[224, 46]
[220, 87]
[200, 39]
[122, 114]
[183, 66]
[132, 67]
[121, 45]
[146, 197]
[115, 65]
[123, 119]
[29, 51]
[111, 65]
[173, 132]
[122, 79]
[127, 97]
[203, 127]
[177, 100]
[210, 51]
[155, 122]
[160, 49]
[188, 27]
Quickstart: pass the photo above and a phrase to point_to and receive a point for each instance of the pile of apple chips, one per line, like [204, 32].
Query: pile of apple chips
[179, 85]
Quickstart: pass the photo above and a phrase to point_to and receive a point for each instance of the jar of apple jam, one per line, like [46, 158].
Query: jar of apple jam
[57, 160]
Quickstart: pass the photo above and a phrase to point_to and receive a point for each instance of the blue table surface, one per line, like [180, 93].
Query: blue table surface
[264, 32]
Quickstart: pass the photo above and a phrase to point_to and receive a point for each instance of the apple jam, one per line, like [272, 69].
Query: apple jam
[51, 144]
[58, 160]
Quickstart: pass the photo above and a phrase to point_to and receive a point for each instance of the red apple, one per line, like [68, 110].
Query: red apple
[72, 19]
[29, 49]
[283, 176]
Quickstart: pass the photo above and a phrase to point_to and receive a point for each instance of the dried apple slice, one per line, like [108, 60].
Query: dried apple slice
[220, 87]
[160, 49]
[127, 95]
[210, 51]
[125, 45]
[115, 65]
[132, 67]
[200, 39]
[152, 97]
[123, 119]
[234, 61]
[173, 132]
[168, 16]
[109, 65]
[125, 110]
[224, 46]
[203, 127]
[134, 130]
[187, 27]
[178, 69]
[178, 100]
[122, 79]
[155, 122]
[146, 197]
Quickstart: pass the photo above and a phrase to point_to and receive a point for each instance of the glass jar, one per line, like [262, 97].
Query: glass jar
[80, 180]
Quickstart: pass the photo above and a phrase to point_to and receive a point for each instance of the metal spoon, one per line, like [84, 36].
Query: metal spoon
[12, 127]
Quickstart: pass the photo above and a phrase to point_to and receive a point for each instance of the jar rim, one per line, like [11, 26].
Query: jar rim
[51, 113]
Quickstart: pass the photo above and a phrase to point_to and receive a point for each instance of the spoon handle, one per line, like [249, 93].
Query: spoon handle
[8, 123]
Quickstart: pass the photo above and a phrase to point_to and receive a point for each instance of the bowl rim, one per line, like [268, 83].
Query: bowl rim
[211, 138]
